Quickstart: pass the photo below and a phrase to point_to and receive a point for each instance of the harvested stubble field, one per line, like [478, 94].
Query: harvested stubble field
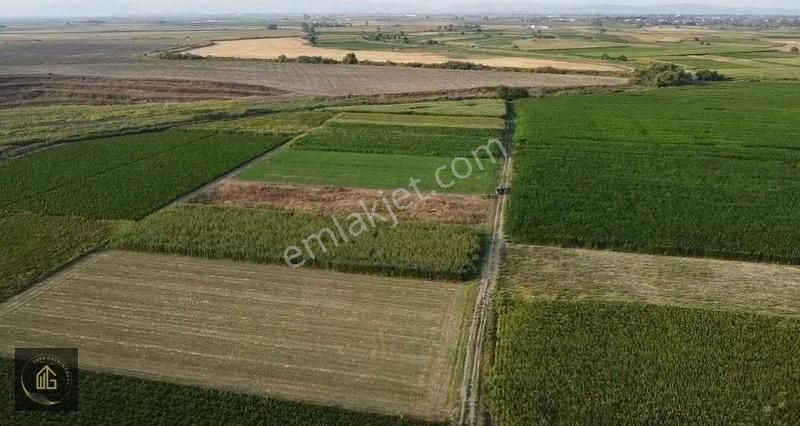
[389, 119]
[706, 171]
[282, 122]
[378, 171]
[469, 108]
[402, 139]
[262, 235]
[325, 80]
[332, 201]
[126, 177]
[355, 341]
[610, 338]
[32, 246]
[572, 275]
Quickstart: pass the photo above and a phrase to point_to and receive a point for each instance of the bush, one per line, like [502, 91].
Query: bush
[177, 56]
[350, 59]
[511, 93]
[662, 74]
[707, 75]
[795, 49]
[272, 27]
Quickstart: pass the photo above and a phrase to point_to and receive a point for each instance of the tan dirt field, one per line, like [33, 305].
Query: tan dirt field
[575, 274]
[787, 45]
[355, 341]
[325, 80]
[327, 201]
[293, 47]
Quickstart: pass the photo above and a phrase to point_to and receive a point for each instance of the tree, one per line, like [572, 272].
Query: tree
[272, 26]
[795, 49]
[662, 74]
[350, 59]
[511, 93]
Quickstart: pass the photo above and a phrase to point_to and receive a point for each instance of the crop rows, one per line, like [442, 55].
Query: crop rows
[32, 246]
[618, 363]
[389, 119]
[698, 172]
[262, 235]
[379, 171]
[405, 140]
[112, 179]
[469, 108]
[114, 399]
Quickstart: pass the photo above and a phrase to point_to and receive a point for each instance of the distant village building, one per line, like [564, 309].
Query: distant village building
[540, 27]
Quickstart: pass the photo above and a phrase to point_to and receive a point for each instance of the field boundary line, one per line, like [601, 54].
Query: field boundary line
[241, 168]
[471, 374]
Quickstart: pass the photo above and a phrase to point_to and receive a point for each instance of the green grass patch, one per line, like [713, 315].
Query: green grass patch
[125, 177]
[476, 107]
[423, 250]
[420, 121]
[32, 246]
[406, 140]
[615, 363]
[700, 171]
[283, 122]
[113, 399]
[379, 171]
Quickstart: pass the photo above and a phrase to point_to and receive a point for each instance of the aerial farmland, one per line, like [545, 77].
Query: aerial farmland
[400, 218]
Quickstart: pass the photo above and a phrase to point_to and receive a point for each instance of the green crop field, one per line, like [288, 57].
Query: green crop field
[390, 119]
[425, 250]
[405, 140]
[380, 171]
[477, 107]
[283, 122]
[616, 363]
[113, 399]
[125, 177]
[703, 171]
[31, 246]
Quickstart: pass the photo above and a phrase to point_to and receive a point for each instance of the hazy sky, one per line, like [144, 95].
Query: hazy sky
[20, 8]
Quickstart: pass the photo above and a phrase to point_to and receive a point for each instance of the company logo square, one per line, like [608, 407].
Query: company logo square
[46, 379]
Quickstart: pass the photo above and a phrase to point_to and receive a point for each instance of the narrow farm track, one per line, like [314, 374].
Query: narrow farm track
[471, 379]
[264, 157]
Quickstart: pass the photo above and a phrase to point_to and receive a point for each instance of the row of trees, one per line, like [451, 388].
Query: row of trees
[663, 74]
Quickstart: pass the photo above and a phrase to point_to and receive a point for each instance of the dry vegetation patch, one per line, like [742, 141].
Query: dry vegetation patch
[328, 201]
[570, 275]
[356, 341]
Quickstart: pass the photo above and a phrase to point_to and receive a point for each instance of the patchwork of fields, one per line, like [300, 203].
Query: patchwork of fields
[614, 338]
[357, 341]
[389, 349]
